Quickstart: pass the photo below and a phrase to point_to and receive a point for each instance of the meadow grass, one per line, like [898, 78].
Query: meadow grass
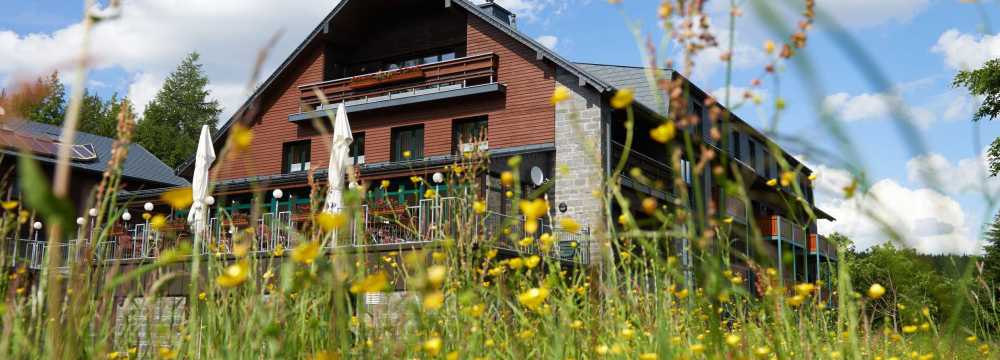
[464, 299]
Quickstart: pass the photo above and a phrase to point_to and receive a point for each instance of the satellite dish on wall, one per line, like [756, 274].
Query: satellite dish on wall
[537, 177]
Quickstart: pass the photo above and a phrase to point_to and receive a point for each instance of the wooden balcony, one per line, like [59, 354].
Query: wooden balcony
[782, 229]
[402, 83]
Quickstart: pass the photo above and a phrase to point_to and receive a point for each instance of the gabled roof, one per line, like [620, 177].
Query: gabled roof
[141, 165]
[542, 52]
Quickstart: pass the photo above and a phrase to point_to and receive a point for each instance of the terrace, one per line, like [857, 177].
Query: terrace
[379, 227]
[470, 75]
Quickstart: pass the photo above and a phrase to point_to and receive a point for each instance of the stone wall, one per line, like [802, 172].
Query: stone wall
[578, 137]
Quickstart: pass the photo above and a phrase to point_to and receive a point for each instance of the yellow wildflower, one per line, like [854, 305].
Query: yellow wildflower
[663, 133]
[647, 356]
[178, 198]
[533, 298]
[113, 355]
[433, 301]
[622, 98]
[732, 339]
[762, 351]
[560, 94]
[665, 10]
[436, 275]
[279, 250]
[526, 241]
[306, 252]
[569, 225]
[479, 207]
[167, 354]
[242, 137]
[532, 261]
[328, 221]
[384, 184]
[157, 222]
[515, 263]
[407, 154]
[796, 300]
[432, 346]
[850, 189]
[876, 291]
[202, 296]
[507, 178]
[9, 205]
[909, 329]
[787, 178]
[234, 274]
[682, 294]
[371, 283]
[769, 46]
[772, 182]
[805, 289]
[576, 324]
[697, 348]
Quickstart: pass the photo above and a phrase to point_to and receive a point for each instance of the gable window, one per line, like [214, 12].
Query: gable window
[357, 152]
[468, 135]
[407, 143]
[295, 156]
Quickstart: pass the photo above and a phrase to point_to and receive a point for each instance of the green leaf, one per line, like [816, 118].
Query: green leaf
[38, 195]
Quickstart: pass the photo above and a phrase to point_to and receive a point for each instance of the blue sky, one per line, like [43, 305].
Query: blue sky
[917, 44]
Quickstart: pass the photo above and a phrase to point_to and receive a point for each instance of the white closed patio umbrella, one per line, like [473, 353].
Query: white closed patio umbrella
[339, 154]
[199, 183]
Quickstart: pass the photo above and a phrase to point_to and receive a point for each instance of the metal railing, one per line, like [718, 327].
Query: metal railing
[425, 222]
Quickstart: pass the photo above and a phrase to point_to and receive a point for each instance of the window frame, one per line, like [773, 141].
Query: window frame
[458, 127]
[357, 148]
[396, 151]
[289, 149]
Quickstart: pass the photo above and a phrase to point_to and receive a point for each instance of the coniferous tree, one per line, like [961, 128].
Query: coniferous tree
[51, 108]
[172, 121]
[991, 258]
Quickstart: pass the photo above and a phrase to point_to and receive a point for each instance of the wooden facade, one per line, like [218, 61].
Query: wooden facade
[522, 115]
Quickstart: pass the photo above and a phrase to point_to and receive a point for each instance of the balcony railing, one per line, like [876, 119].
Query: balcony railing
[782, 229]
[401, 83]
[651, 168]
[819, 244]
[401, 226]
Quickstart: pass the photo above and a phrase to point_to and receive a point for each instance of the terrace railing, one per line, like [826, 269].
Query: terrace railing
[400, 83]
[413, 225]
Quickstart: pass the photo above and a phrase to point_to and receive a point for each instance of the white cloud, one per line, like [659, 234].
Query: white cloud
[548, 41]
[868, 106]
[866, 13]
[965, 51]
[924, 219]
[152, 37]
[740, 96]
[966, 176]
[143, 89]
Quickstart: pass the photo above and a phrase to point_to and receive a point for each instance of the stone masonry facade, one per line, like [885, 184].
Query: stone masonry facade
[578, 137]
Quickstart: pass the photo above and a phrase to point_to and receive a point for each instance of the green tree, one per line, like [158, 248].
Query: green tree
[985, 82]
[991, 259]
[173, 120]
[51, 108]
[100, 117]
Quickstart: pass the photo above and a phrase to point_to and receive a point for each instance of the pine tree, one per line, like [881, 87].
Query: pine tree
[991, 260]
[100, 117]
[172, 121]
[51, 108]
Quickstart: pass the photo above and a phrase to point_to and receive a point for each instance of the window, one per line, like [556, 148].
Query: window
[470, 134]
[295, 156]
[735, 139]
[752, 149]
[408, 141]
[357, 152]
